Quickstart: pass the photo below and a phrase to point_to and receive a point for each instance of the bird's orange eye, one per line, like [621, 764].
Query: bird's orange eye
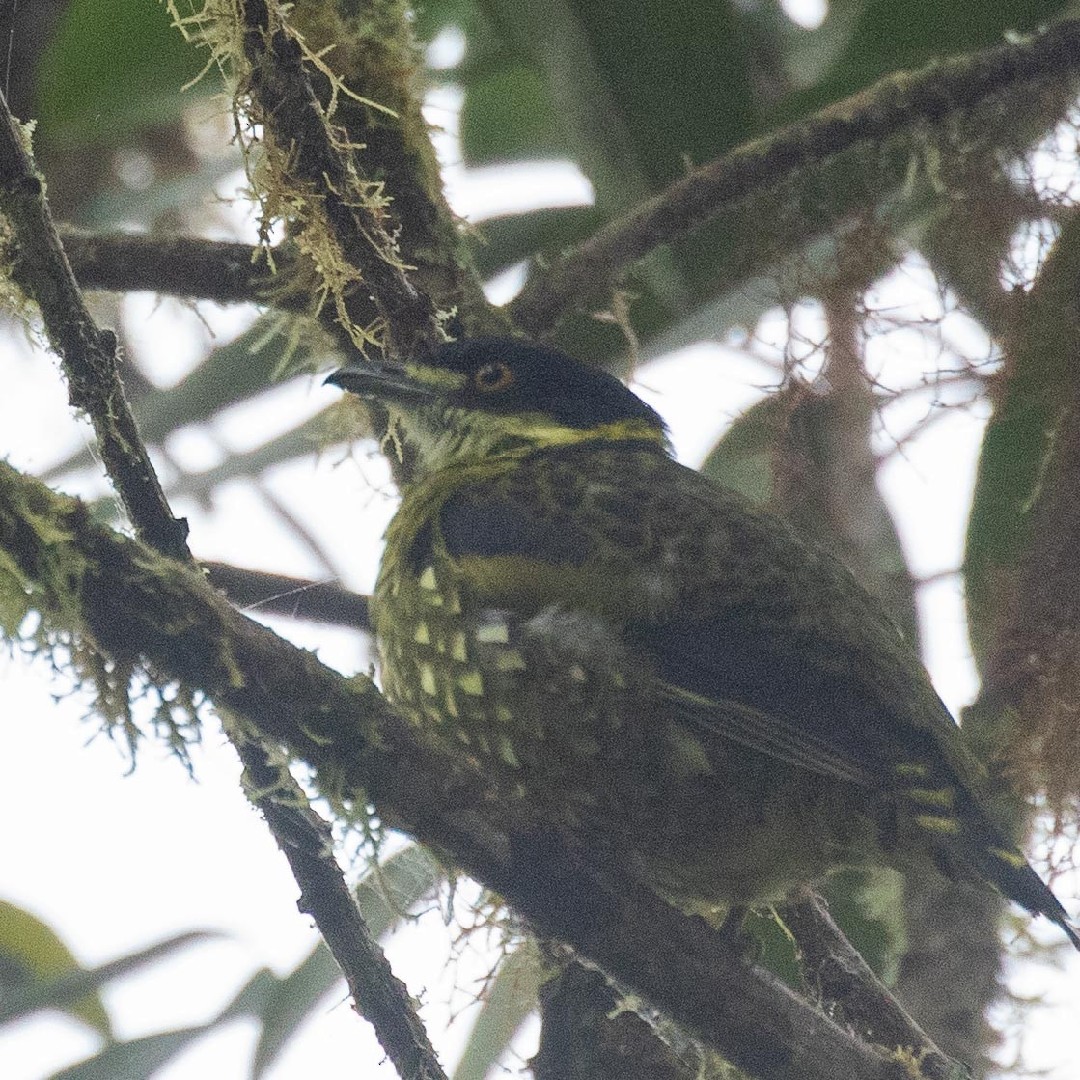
[494, 376]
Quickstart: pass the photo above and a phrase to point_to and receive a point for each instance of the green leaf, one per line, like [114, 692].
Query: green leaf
[509, 1001]
[679, 74]
[53, 980]
[508, 115]
[867, 905]
[433, 16]
[291, 1002]
[33, 955]
[114, 65]
[891, 35]
[74, 986]
[742, 460]
[252, 997]
[138, 1059]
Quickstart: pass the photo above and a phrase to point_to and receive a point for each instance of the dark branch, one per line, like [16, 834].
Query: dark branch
[284, 102]
[88, 353]
[585, 1034]
[224, 271]
[132, 603]
[894, 105]
[841, 976]
[305, 840]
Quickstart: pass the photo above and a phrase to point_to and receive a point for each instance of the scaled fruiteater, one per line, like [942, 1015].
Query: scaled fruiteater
[656, 659]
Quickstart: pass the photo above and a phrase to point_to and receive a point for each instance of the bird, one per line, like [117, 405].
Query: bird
[669, 670]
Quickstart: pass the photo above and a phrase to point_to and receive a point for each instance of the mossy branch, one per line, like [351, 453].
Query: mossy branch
[133, 605]
[899, 104]
[88, 353]
[1027, 588]
[314, 166]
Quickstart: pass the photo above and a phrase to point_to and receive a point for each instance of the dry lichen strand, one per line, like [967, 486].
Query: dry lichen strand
[219, 26]
[49, 556]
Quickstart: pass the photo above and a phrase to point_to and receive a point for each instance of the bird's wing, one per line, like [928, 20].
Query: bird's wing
[764, 732]
[771, 646]
[736, 676]
[754, 637]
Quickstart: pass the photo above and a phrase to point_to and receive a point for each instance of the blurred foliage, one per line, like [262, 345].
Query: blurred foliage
[38, 973]
[112, 67]
[633, 93]
[32, 952]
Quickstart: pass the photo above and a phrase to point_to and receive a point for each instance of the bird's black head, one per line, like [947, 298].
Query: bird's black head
[473, 398]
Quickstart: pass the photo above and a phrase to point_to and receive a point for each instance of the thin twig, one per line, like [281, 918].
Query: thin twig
[132, 603]
[841, 976]
[277, 594]
[893, 105]
[305, 840]
[88, 353]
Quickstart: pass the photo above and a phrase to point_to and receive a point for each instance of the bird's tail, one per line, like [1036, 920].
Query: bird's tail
[1004, 867]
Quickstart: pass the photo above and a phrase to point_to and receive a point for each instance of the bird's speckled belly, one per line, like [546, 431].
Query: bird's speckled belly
[547, 702]
[513, 688]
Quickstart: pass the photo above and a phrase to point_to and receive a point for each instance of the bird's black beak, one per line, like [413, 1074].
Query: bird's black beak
[381, 381]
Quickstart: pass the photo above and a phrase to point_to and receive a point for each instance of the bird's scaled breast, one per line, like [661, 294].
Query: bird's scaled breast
[523, 691]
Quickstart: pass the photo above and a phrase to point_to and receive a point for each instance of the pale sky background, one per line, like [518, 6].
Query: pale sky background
[116, 859]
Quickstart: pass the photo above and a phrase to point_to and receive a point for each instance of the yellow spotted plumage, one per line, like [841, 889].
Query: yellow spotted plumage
[658, 661]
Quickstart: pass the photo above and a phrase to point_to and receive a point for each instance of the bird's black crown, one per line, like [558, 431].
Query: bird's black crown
[505, 375]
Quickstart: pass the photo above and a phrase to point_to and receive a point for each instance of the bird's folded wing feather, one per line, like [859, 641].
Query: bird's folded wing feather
[832, 691]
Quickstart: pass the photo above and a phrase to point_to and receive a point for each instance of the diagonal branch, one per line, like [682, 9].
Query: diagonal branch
[319, 164]
[897, 104]
[843, 978]
[88, 353]
[305, 840]
[130, 602]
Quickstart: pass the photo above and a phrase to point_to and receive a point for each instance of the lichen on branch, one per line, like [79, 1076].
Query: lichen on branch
[306, 174]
